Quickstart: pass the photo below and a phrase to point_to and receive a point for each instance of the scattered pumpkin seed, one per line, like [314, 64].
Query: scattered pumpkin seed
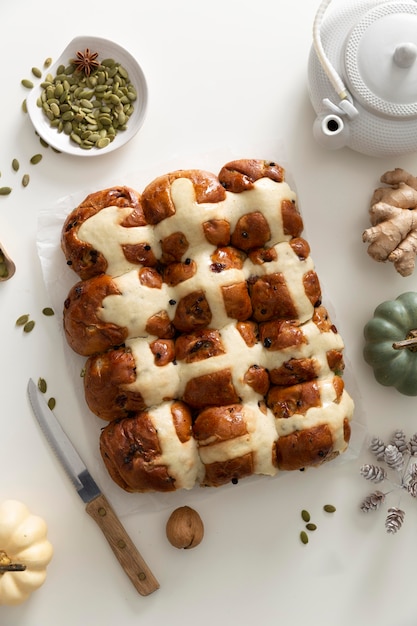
[47, 62]
[42, 385]
[29, 326]
[329, 508]
[21, 321]
[303, 537]
[36, 72]
[4, 191]
[48, 311]
[51, 403]
[24, 106]
[25, 180]
[43, 143]
[311, 526]
[15, 165]
[27, 83]
[305, 515]
[36, 159]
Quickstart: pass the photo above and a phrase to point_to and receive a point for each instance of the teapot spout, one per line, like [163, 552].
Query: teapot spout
[331, 131]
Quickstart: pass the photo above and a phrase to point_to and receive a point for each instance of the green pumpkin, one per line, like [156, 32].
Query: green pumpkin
[391, 343]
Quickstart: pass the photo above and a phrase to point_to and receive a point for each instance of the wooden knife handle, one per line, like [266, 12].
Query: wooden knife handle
[123, 547]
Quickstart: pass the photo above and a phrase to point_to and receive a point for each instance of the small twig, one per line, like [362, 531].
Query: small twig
[12, 567]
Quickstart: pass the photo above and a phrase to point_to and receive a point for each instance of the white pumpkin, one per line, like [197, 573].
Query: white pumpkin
[23, 542]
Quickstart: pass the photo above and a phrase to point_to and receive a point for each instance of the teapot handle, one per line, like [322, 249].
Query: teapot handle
[330, 71]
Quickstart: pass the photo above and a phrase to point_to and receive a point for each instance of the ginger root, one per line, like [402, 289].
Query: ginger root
[393, 215]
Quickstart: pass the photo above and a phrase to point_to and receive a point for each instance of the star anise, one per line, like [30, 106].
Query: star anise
[86, 61]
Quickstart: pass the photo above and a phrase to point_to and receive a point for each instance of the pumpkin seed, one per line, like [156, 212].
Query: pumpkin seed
[25, 180]
[21, 321]
[103, 142]
[36, 159]
[15, 165]
[29, 326]
[47, 62]
[24, 106]
[42, 386]
[43, 142]
[36, 72]
[68, 116]
[329, 508]
[303, 537]
[55, 109]
[51, 403]
[123, 72]
[48, 311]
[76, 138]
[311, 526]
[4, 191]
[27, 83]
[305, 515]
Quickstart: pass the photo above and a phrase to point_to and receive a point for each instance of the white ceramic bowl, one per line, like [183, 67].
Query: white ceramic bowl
[105, 49]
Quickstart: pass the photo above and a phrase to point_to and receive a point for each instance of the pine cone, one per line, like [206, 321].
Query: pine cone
[412, 445]
[372, 502]
[399, 440]
[394, 519]
[394, 458]
[377, 446]
[413, 470]
[374, 473]
[412, 486]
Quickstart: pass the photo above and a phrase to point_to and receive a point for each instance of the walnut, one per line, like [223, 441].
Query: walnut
[184, 528]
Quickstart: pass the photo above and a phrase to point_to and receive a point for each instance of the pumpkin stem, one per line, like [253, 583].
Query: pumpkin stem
[12, 567]
[409, 342]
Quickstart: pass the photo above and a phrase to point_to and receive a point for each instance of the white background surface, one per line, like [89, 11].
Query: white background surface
[225, 77]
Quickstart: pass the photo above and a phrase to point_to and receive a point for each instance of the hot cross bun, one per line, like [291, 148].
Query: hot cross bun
[199, 311]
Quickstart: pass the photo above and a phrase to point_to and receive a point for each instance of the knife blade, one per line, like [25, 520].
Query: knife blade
[96, 503]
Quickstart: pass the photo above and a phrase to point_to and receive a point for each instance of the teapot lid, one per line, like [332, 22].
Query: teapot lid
[381, 60]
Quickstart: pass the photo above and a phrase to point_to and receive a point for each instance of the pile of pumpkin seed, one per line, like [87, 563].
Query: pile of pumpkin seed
[92, 109]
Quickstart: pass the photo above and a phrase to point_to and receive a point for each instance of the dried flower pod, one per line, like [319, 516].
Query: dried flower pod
[184, 528]
[394, 458]
[372, 502]
[375, 473]
[394, 519]
[377, 447]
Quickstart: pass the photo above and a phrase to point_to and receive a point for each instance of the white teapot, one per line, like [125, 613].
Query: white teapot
[362, 75]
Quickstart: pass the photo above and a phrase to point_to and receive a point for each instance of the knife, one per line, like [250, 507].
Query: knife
[97, 505]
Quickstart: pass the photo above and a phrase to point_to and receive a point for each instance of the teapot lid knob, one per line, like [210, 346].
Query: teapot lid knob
[380, 60]
[405, 54]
